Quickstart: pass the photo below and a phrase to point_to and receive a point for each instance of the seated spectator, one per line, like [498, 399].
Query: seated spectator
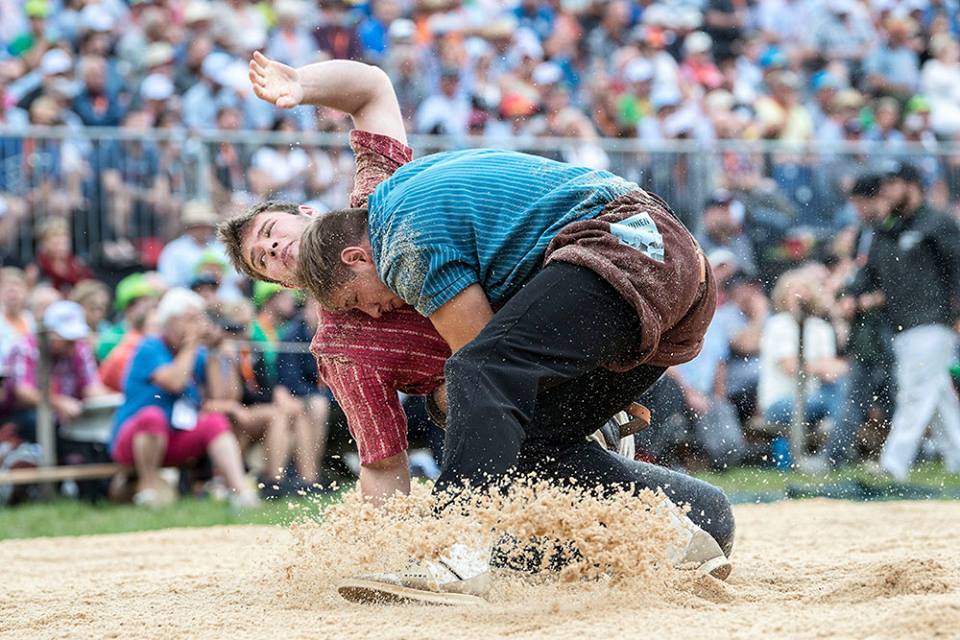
[136, 299]
[97, 104]
[291, 43]
[940, 83]
[280, 171]
[230, 162]
[893, 68]
[73, 369]
[94, 297]
[41, 297]
[257, 412]
[723, 219]
[209, 277]
[55, 260]
[180, 257]
[445, 113]
[746, 309]
[164, 421]
[796, 297]
[16, 323]
[698, 68]
[299, 378]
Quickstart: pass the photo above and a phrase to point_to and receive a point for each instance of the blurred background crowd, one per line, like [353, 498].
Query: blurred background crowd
[779, 130]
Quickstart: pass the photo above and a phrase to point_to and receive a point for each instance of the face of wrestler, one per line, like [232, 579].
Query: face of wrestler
[364, 291]
[271, 244]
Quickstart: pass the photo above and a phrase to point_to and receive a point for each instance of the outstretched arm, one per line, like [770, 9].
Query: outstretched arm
[360, 90]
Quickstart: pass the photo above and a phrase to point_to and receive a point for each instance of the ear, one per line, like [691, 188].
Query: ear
[354, 257]
[304, 210]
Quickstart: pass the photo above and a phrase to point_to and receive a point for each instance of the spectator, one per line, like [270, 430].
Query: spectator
[179, 258]
[781, 114]
[886, 121]
[134, 299]
[299, 377]
[259, 413]
[445, 113]
[868, 342]
[291, 42]
[97, 105]
[698, 68]
[940, 83]
[893, 69]
[200, 100]
[281, 171]
[16, 323]
[94, 297]
[797, 300]
[41, 297]
[55, 261]
[612, 32]
[723, 219]
[229, 181]
[914, 263]
[336, 34]
[73, 369]
[725, 21]
[375, 29]
[163, 421]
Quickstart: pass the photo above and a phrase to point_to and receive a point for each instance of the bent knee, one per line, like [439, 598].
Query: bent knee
[212, 425]
[718, 512]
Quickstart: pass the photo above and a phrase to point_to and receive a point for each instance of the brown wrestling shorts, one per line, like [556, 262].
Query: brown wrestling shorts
[641, 248]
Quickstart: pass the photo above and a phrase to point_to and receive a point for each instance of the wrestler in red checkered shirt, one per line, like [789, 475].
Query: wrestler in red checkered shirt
[365, 361]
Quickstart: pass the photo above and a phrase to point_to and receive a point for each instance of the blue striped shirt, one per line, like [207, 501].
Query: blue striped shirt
[450, 220]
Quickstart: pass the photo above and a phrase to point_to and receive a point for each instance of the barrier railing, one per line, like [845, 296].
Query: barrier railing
[120, 185]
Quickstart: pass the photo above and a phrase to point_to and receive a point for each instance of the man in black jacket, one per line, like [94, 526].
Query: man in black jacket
[869, 346]
[914, 261]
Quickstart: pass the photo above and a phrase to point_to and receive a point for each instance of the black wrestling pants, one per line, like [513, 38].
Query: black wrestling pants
[526, 393]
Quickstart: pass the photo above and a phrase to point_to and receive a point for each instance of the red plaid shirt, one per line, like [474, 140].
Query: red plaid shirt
[366, 361]
[69, 376]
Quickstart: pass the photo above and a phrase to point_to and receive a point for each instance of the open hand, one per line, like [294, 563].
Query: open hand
[275, 82]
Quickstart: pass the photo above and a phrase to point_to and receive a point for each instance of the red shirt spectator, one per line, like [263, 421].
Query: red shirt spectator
[366, 361]
[54, 259]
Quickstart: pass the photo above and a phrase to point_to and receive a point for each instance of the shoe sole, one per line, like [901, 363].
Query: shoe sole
[720, 568]
[372, 592]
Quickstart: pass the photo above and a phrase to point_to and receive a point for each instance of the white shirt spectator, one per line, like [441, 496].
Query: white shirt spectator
[780, 340]
[443, 114]
[940, 83]
[180, 257]
[287, 171]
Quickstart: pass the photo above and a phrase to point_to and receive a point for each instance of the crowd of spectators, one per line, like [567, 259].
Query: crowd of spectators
[100, 227]
[700, 71]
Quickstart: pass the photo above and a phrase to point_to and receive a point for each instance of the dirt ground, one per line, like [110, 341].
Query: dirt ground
[810, 569]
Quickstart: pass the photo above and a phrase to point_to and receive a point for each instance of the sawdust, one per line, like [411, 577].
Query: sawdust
[811, 569]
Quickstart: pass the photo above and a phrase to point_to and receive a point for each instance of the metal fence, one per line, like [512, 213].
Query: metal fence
[120, 186]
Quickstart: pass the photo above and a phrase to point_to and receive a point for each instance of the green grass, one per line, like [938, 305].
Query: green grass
[774, 483]
[63, 517]
[70, 518]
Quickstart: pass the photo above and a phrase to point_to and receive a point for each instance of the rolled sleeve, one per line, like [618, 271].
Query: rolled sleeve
[377, 157]
[374, 414]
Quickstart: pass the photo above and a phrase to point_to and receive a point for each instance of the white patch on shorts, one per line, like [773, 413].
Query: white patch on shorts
[641, 233]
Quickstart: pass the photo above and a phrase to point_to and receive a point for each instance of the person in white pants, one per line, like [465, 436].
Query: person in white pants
[924, 392]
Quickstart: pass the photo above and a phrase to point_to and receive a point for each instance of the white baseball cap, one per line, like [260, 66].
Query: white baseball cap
[55, 61]
[66, 319]
[156, 86]
[639, 70]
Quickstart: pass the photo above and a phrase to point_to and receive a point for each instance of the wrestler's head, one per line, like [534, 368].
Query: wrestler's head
[336, 265]
[264, 241]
